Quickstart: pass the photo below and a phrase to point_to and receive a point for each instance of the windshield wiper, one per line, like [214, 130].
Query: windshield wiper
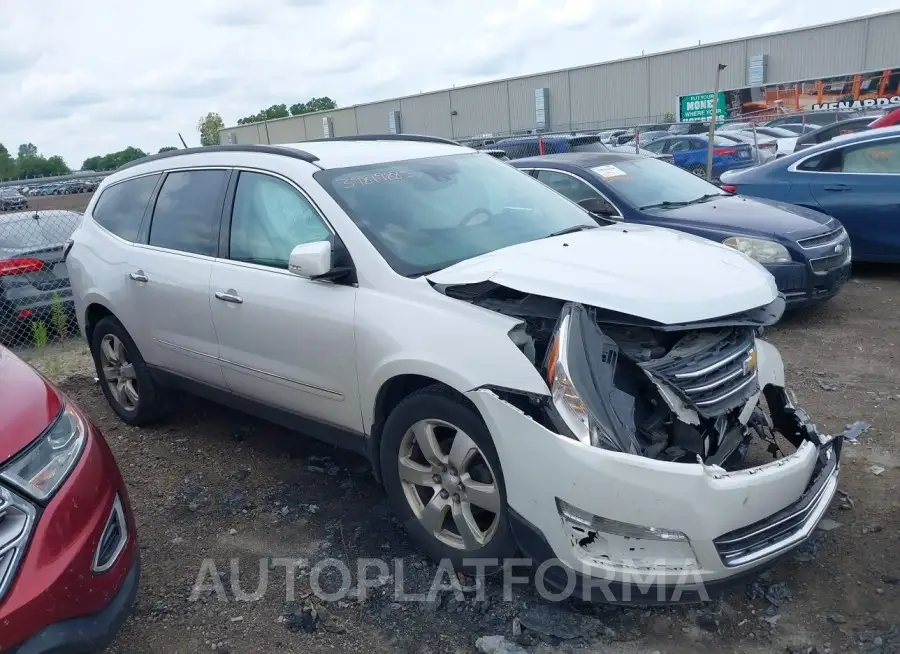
[572, 230]
[704, 198]
[664, 203]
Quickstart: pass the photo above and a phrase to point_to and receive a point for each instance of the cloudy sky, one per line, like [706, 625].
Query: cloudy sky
[93, 76]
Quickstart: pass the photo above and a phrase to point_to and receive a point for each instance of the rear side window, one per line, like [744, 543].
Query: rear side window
[188, 211]
[121, 206]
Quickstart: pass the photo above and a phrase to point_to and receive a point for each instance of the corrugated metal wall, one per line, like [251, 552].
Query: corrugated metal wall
[622, 92]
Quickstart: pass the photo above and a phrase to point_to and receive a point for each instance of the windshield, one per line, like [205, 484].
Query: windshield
[426, 214]
[646, 183]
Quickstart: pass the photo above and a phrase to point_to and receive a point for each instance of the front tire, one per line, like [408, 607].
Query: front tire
[443, 479]
[124, 378]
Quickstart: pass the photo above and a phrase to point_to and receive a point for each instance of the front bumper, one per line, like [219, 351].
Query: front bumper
[715, 511]
[91, 633]
[55, 592]
[801, 287]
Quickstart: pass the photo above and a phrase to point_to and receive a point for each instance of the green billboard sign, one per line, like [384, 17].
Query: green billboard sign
[699, 106]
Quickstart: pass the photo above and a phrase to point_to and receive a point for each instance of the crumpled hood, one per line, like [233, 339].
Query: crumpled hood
[656, 274]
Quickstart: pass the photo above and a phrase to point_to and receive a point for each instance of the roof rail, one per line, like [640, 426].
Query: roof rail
[421, 138]
[294, 153]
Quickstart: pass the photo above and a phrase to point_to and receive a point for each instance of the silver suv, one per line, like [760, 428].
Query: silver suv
[521, 375]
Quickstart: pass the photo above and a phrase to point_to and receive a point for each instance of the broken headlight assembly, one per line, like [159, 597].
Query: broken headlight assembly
[576, 384]
[759, 249]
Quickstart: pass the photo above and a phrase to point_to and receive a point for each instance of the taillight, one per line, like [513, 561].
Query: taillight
[724, 152]
[768, 146]
[20, 266]
[728, 188]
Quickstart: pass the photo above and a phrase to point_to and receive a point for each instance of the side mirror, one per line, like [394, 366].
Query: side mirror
[597, 206]
[311, 260]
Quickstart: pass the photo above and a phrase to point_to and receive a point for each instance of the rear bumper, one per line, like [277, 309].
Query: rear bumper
[802, 288]
[91, 633]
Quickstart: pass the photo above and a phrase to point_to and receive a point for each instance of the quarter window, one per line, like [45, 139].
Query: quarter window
[121, 206]
[188, 211]
[270, 218]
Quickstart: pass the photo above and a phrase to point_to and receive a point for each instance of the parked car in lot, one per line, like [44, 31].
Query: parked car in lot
[435, 309]
[643, 137]
[12, 200]
[799, 128]
[69, 563]
[791, 242]
[828, 132]
[688, 128]
[854, 178]
[763, 148]
[690, 153]
[33, 275]
[529, 146]
[820, 118]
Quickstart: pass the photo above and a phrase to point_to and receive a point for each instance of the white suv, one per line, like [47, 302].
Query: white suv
[522, 376]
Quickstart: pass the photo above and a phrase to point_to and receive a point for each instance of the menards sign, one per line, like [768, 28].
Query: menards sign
[868, 103]
[868, 90]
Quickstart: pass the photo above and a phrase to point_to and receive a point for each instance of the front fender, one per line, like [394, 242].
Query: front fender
[447, 340]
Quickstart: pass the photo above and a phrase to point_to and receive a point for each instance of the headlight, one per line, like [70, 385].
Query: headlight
[44, 466]
[759, 249]
[580, 415]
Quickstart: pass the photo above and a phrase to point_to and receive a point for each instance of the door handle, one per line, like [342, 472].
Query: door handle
[229, 297]
[138, 276]
[837, 187]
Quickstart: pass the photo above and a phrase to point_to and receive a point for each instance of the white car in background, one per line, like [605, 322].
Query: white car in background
[521, 377]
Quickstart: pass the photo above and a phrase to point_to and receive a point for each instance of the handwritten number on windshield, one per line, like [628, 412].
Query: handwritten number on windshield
[376, 178]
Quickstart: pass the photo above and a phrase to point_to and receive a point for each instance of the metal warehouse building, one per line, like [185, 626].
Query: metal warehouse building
[624, 92]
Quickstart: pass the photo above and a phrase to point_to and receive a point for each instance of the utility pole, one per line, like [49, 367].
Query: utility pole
[712, 123]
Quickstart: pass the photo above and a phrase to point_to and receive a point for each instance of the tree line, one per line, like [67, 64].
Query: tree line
[210, 124]
[29, 163]
[283, 111]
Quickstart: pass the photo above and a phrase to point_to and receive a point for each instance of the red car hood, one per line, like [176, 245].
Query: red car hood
[28, 404]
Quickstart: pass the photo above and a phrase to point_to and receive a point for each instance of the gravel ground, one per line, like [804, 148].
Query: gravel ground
[213, 485]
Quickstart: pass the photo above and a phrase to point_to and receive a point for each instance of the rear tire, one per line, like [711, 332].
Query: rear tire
[449, 493]
[699, 171]
[124, 378]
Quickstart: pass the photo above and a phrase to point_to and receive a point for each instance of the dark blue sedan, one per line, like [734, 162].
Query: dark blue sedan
[854, 178]
[806, 251]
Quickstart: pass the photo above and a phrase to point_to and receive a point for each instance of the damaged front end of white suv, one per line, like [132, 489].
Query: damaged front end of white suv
[665, 458]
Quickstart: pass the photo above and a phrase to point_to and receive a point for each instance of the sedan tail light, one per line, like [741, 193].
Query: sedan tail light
[20, 266]
[724, 152]
[768, 146]
[728, 188]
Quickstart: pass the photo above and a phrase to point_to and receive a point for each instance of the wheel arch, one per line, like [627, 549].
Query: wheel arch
[94, 312]
[392, 392]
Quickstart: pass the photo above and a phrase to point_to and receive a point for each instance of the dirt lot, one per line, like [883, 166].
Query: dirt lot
[212, 484]
[74, 202]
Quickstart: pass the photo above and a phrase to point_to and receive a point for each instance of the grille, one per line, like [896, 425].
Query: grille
[16, 520]
[714, 371]
[833, 236]
[827, 264]
[782, 530]
[113, 540]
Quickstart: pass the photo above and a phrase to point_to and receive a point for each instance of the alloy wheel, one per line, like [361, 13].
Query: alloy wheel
[118, 372]
[449, 484]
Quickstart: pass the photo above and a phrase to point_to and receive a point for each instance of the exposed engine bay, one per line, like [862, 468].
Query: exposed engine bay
[668, 392]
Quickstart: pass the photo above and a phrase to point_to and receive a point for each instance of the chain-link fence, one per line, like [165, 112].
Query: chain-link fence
[36, 307]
